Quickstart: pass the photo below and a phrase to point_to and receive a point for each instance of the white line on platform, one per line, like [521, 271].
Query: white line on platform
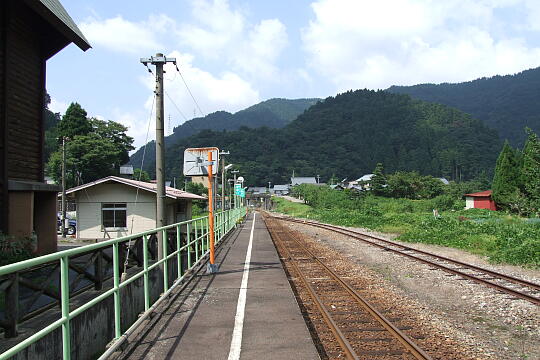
[236, 342]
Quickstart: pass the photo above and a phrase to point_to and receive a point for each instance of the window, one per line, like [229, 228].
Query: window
[114, 215]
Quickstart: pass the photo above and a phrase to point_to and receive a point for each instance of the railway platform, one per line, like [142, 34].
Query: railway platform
[245, 311]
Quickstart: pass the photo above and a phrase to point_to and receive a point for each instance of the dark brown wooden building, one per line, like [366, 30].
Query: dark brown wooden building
[31, 31]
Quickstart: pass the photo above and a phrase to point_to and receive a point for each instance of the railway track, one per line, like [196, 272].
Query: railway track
[513, 286]
[355, 327]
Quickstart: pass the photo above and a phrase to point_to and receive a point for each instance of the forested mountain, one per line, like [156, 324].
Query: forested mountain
[505, 103]
[347, 135]
[273, 113]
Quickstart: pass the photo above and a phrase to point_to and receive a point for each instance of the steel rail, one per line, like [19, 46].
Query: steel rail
[447, 259]
[341, 339]
[360, 236]
[416, 351]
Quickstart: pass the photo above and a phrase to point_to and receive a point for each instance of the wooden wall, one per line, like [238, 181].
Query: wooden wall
[3, 130]
[24, 94]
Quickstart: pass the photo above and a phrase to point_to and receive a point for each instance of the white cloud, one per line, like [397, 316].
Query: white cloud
[57, 106]
[137, 123]
[376, 44]
[228, 91]
[221, 33]
[121, 35]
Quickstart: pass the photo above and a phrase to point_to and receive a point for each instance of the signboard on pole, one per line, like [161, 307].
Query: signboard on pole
[196, 161]
[242, 193]
[237, 188]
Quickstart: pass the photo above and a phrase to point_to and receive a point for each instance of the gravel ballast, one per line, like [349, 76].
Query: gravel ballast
[496, 325]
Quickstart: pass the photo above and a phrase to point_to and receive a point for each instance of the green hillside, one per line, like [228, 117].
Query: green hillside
[347, 135]
[273, 113]
[505, 103]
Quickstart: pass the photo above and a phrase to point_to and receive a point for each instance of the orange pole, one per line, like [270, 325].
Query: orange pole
[210, 209]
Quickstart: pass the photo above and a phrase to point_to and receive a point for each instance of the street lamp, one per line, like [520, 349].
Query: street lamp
[235, 172]
[223, 172]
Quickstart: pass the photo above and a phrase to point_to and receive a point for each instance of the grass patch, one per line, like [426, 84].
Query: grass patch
[501, 237]
[291, 208]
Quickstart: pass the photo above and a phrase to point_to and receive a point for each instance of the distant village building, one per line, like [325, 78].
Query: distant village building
[200, 180]
[480, 200]
[31, 32]
[303, 180]
[126, 171]
[114, 207]
[257, 190]
[281, 189]
[362, 183]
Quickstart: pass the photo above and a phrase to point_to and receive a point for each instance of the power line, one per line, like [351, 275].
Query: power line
[176, 106]
[187, 87]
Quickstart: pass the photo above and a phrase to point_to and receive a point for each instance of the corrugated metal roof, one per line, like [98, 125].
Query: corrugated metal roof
[171, 192]
[480, 194]
[366, 177]
[58, 17]
[281, 187]
[303, 180]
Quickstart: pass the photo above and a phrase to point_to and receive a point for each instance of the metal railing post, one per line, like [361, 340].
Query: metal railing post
[64, 300]
[207, 232]
[197, 241]
[146, 276]
[178, 254]
[116, 280]
[166, 261]
[188, 245]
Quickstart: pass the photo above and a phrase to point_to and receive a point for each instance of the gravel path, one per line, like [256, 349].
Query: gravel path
[494, 324]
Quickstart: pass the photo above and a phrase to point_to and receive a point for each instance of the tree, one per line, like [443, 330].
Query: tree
[507, 178]
[531, 171]
[378, 181]
[412, 185]
[51, 121]
[74, 122]
[114, 133]
[94, 149]
[196, 188]
[141, 175]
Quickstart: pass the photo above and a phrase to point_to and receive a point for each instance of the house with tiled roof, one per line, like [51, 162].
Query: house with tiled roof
[114, 207]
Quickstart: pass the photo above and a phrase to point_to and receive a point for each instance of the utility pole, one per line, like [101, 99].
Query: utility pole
[212, 267]
[223, 179]
[63, 187]
[159, 60]
[234, 184]
[318, 176]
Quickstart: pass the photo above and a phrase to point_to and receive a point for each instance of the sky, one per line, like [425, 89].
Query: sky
[233, 53]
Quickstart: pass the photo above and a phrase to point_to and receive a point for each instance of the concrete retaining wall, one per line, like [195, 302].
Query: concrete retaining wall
[92, 330]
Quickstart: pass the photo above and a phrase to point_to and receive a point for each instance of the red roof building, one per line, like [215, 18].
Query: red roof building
[480, 200]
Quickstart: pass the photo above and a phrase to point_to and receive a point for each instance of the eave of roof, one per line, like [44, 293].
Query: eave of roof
[55, 14]
[480, 194]
[170, 192]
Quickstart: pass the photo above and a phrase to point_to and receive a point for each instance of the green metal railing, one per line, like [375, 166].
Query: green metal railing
[196, 242]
